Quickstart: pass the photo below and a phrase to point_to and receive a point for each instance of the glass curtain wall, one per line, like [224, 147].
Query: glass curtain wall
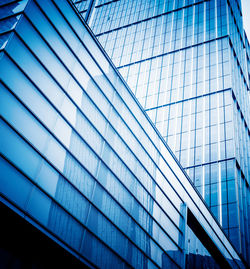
[186, 62]
[79, 157]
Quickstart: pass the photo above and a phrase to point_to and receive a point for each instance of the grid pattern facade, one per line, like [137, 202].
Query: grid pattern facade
[79, 158]
[82, 6]
[186, 63]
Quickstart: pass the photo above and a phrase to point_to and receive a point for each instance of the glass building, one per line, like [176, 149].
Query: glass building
[86, 179]
[187, 62]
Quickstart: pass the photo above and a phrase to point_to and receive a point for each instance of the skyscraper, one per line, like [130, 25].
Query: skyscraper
[188, 65]
[85, 176]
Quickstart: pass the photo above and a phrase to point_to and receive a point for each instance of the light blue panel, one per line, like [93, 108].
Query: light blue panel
[56, 154]
[43, 52]
[34, 70]
[17, 115]
[27, 92]
[47, 178]
[63, 131]
[18, 151]
[48, 32]
[60, 23]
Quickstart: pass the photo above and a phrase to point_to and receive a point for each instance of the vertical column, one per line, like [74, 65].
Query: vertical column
[218, 118]
[204, 108]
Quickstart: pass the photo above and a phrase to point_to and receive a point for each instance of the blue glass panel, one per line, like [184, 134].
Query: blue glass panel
[12, 8]
[231, 191]
[3, 40]
[8, 24]
[24, 89]
[72, 200]
[47, 178]
[65, 227]
[13, 184]
[35, 71]
[100, 226]
[60, 23]
[43, 52]
[234, 236]
[78, 176]
[84, 153]
[21, 119]
[88, 132]
[39, 206]
[71, 16]
[233, 215]
[62, 131]
[56, 154]
[16, 150]
[225, 216]
[93, 249]
[49, 33]
[111, 209]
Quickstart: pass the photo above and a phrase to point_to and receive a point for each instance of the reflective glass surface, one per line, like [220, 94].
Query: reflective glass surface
[79, 155]
[185, 61]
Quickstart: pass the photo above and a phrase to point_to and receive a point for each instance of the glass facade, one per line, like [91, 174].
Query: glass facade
[80, 158]
[187, 62]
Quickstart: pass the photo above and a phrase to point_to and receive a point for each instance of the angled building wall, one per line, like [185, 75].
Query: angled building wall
[83, 163]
